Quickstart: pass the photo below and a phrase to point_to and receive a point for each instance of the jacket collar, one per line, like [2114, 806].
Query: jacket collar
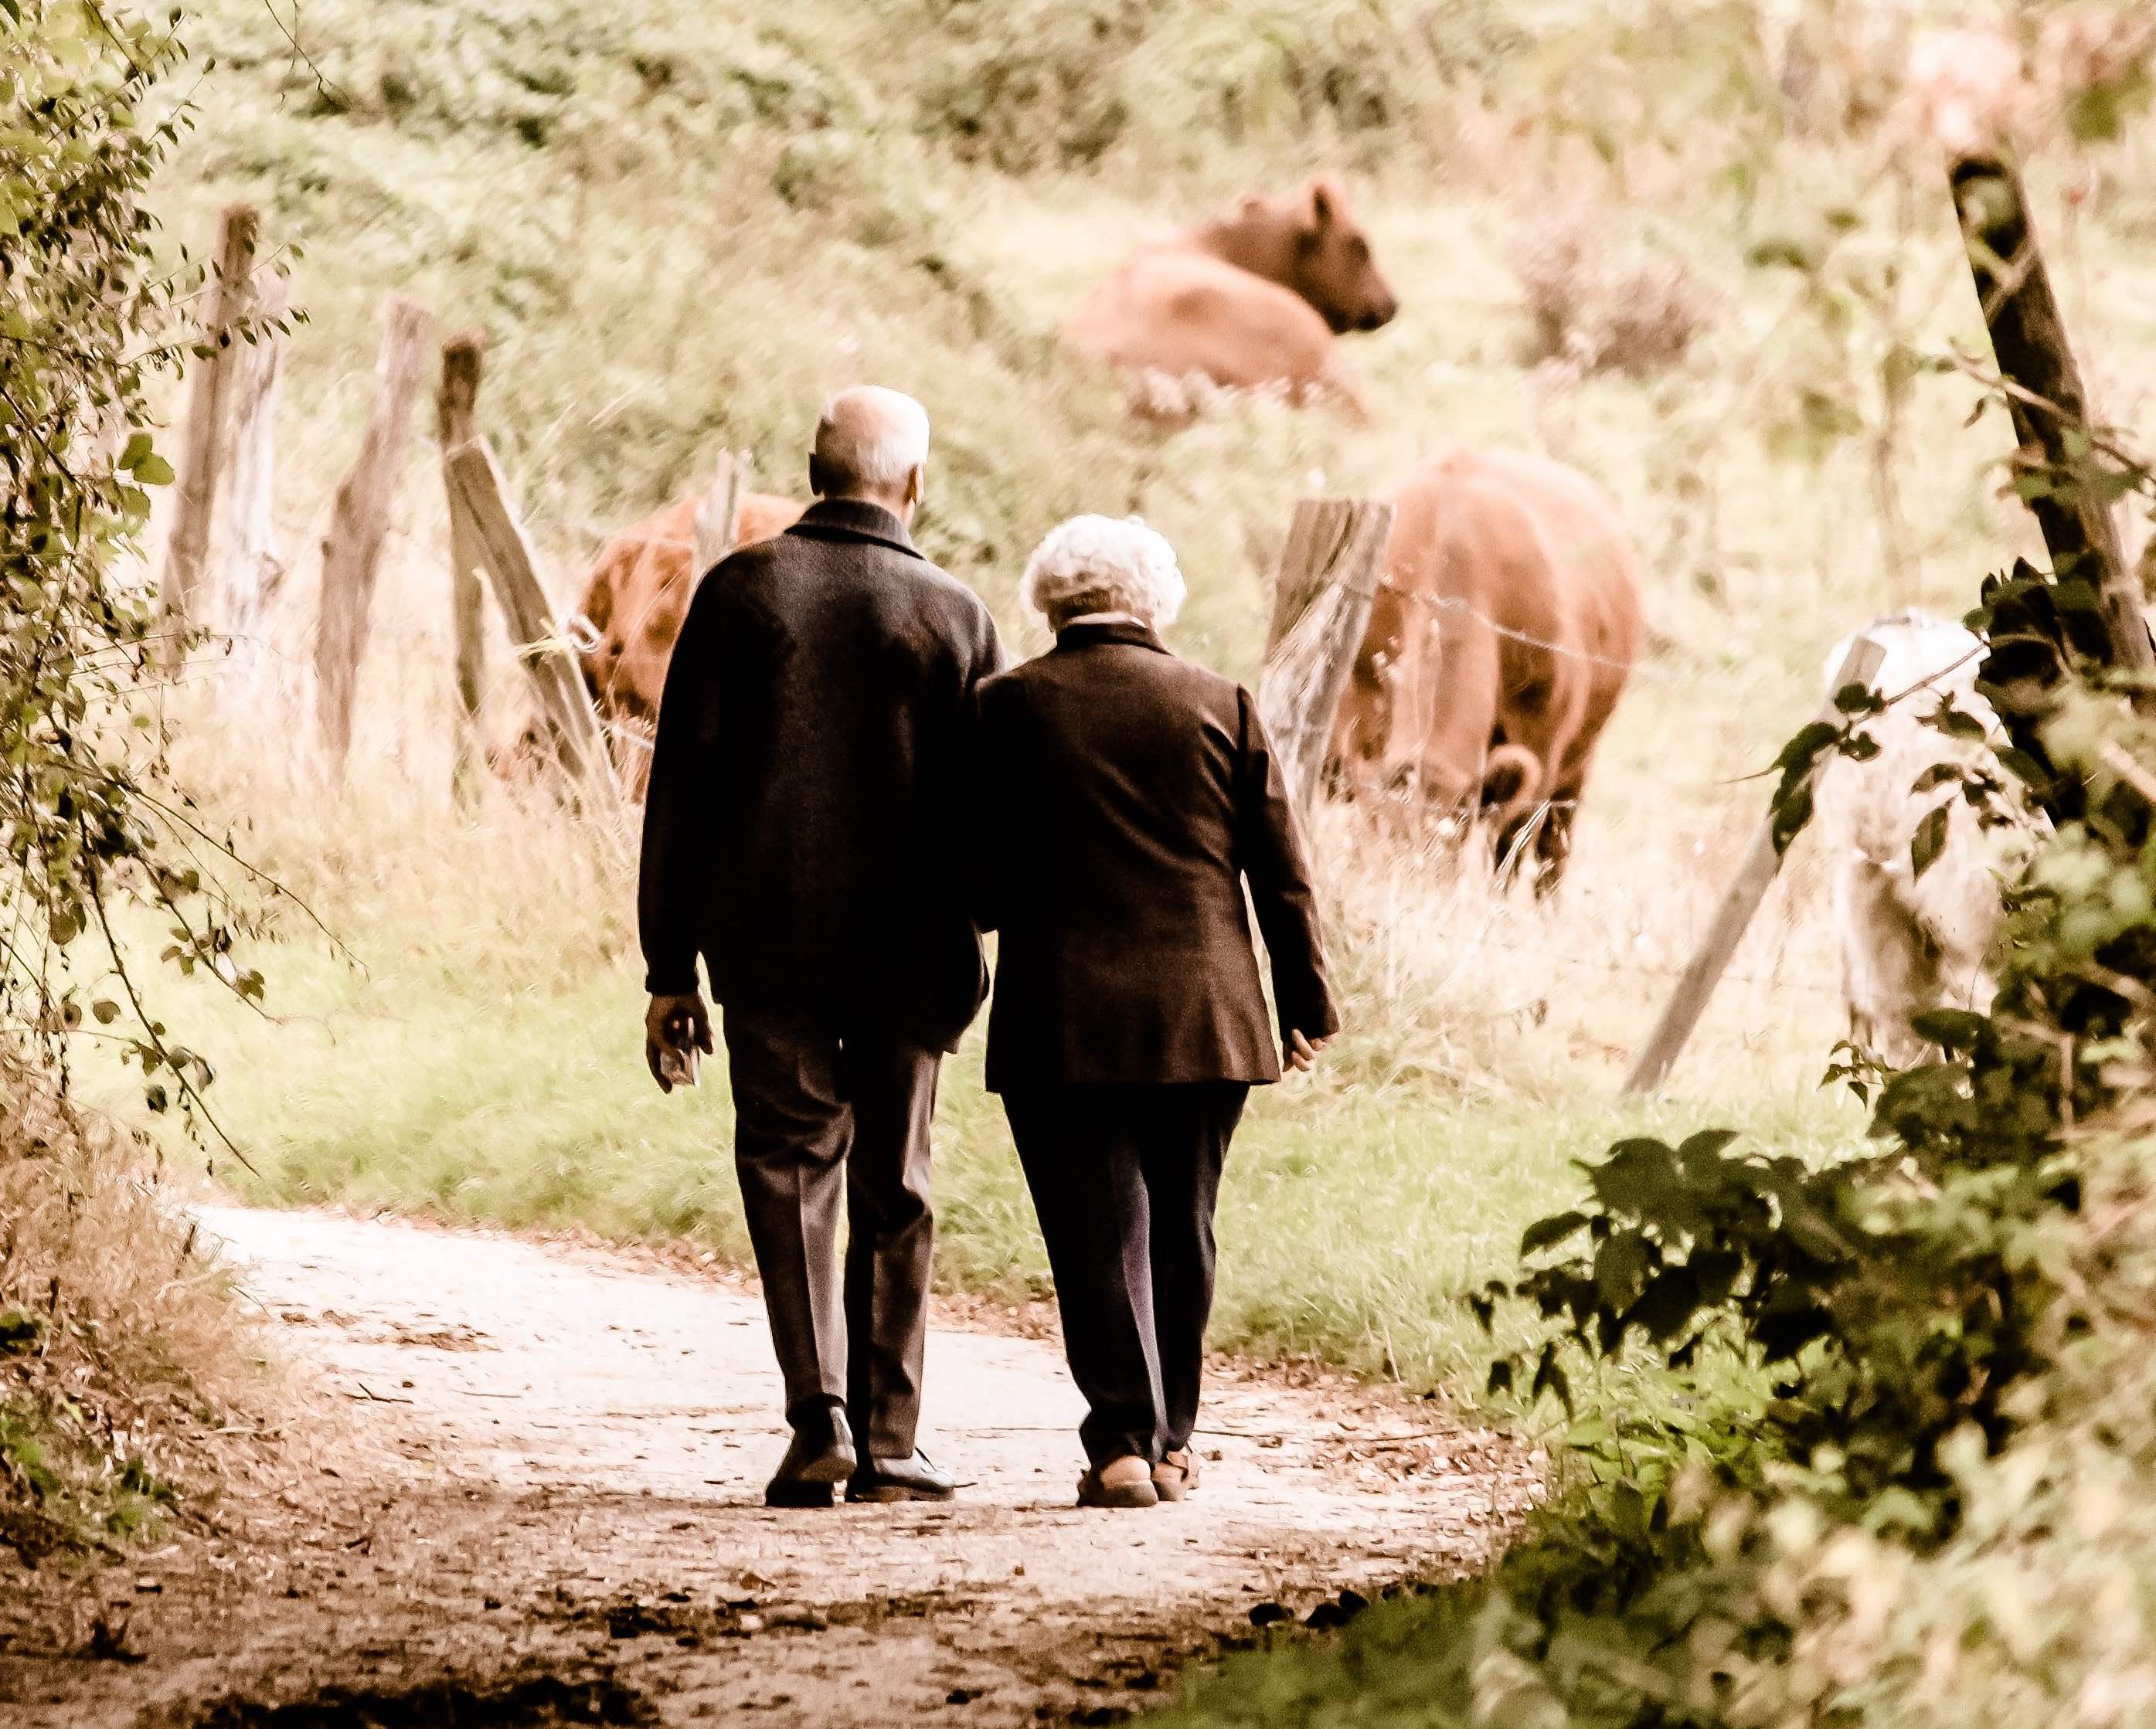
[855, 519]
[1129, 631]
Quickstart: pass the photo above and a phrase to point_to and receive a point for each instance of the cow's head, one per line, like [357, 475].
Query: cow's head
[1331, 264]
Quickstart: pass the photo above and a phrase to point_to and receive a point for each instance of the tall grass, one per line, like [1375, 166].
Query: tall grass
[680, 227]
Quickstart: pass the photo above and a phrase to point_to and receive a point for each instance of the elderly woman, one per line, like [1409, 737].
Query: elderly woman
[1130, 797]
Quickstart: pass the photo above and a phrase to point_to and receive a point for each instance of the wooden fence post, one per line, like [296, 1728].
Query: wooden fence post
[718, 516]
[251, 572]
[1739, 901]
[477, 494]
[351, 550]
[456, 405]
[2045, 396]
[1328, 580]
[204, 443]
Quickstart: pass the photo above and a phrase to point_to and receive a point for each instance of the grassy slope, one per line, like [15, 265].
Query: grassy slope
[679, 225]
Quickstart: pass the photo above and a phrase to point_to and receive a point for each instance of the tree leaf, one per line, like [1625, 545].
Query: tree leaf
[1544, 1233]
[1930, 839]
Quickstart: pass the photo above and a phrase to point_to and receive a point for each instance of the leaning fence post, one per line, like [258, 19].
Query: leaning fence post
[1328, 580]
[205, 444]
[351, 550]
[479, 495]
[718, 514]
[1739, 901]
[456, 405]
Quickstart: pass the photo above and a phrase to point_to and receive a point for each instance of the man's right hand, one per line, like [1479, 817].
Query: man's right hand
[1301, 1054]
[679, 1023]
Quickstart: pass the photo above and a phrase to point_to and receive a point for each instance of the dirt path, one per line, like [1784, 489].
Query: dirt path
[543, 1505]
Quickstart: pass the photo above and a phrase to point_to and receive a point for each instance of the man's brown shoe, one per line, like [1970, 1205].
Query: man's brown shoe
[1125, 1482]
[1176, 1474]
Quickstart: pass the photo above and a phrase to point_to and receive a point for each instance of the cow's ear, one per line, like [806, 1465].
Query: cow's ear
[1325, 201]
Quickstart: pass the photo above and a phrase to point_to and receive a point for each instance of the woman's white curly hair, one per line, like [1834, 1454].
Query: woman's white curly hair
[1103, 564]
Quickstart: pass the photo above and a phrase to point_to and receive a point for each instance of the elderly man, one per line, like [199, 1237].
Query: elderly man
[1136, 797]
[799, 834]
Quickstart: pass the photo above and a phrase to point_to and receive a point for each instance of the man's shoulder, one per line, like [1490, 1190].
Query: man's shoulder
[943, 609]
[752, 562]
[944, 590]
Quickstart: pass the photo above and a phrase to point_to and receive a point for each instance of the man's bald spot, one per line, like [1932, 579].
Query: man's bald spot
[869, 440]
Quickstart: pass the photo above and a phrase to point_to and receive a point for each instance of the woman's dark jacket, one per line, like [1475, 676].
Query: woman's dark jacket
[1125, 797]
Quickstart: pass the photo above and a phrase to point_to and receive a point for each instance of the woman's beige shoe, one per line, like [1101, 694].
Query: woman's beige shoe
[1176, 1474]
[1125, 1482]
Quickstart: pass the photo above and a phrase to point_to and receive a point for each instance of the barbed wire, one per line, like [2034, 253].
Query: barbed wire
[1454, 604]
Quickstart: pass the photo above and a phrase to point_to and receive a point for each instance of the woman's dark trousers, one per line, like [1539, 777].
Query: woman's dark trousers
[1125, 1179]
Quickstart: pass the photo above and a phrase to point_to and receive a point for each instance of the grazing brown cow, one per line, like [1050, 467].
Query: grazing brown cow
[637, 594]
[1250, 301]
[1498, 646]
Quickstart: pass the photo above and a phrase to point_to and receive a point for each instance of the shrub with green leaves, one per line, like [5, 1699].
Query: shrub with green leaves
[90, 818]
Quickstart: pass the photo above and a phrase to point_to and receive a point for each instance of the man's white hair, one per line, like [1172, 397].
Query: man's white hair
[1104, 564]
[872, 436]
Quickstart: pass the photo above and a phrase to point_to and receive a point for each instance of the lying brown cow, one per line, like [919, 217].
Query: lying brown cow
[1250, 301]
[1499, 643]
[637, 594]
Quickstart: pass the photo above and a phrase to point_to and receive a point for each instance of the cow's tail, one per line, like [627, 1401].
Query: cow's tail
[1511, 783]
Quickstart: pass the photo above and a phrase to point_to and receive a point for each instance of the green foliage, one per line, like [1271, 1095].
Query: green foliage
[1843, 1431]
[88, 815]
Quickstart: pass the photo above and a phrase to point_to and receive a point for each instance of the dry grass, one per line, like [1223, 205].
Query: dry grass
[128, 1383]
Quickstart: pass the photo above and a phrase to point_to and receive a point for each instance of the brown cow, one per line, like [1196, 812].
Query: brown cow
[1499, 643]
[1250, 301]
[637, 594]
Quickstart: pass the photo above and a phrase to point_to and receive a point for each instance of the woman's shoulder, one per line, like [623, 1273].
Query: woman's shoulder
[1201, 686]
[1144, 674]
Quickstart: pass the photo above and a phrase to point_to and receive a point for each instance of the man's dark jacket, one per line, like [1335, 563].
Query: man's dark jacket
[801, 828]
[1128, 796]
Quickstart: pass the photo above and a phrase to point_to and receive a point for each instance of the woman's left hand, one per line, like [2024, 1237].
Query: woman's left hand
[1300, 1053]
